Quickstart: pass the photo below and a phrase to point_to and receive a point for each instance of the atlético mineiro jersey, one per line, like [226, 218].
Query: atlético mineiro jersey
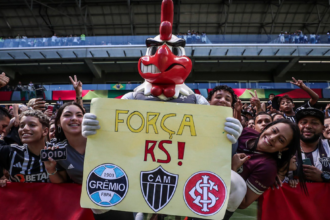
[22, 164]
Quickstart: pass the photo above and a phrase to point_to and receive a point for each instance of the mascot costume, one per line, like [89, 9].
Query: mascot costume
[165, 67]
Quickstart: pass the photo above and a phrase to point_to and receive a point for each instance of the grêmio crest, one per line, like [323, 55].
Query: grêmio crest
[158, 187]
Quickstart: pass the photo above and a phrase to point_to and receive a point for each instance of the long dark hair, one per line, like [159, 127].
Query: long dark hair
[293, 149]
[60, 136]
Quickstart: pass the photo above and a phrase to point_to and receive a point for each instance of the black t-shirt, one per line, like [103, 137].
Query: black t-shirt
[22, 164]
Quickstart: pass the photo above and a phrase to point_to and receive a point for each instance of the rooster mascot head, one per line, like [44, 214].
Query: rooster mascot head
[165, 66]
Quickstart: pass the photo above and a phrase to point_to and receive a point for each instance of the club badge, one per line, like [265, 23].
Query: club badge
[325, 161]
[158, 187]
[205, 193]
[107, 185]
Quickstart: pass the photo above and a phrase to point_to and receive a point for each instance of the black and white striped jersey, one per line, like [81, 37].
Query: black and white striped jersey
[22, 164]
[293, 118]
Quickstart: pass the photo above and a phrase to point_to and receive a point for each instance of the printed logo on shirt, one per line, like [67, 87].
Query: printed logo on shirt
[70, 167]
[325, 161]
[18, 165]
[205, 193]
[158, 187]
[107, 185]
[39, 177]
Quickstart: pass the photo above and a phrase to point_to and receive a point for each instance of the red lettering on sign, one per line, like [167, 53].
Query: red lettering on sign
[162, 148]
[150, 150]
[181, 146]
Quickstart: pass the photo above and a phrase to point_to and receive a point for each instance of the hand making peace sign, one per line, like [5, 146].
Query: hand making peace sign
[77, 85]
[298, 82]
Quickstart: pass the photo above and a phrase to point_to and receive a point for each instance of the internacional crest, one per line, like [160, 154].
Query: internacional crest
[205, 193]
[158, 187]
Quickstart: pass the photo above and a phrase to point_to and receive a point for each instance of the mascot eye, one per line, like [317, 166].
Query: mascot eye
[153, 50]
[176, 51]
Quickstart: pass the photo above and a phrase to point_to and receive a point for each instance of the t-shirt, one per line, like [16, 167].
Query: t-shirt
[74, 163]
[260, 170]
[320, 157]
[22, 164]
[293, 118]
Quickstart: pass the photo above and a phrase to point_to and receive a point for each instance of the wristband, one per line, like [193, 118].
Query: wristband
[50, 174]
[78, 98]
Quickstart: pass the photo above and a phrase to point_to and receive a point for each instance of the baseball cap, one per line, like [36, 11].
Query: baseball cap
[303, 112]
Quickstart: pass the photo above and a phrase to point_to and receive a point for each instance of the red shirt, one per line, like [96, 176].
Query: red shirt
[260, 170]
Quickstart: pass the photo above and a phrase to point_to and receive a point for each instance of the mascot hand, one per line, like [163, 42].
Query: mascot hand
[89, 125]
[234, 129]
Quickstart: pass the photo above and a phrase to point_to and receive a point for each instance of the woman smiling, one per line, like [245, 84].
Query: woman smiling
[267, 152]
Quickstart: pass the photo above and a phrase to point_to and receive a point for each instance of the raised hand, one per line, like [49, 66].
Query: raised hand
[238, 106]
[4, 80]
[327, 107]
[77, 85]
[50, 165]
[48, 113]
[238, 160]
[39, 104]
[298, 82]
[293, 183]
[255, 100]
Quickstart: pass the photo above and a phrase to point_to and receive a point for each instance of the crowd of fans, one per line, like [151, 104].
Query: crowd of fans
[24, 41]
[278, 144]
[299, 37]
[192, 37]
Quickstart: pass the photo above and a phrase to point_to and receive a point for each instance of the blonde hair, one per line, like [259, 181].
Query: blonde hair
[31, 102]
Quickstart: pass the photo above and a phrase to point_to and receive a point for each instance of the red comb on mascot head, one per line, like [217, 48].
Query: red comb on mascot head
[165, 65]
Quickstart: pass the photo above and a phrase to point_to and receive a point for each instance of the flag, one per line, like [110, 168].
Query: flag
[292, 203]
[46, 201]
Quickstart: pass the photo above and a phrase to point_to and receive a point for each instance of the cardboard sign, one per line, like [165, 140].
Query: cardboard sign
[56, 154]
[158, 157]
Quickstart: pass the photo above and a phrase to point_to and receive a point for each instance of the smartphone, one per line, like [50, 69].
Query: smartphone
[56, 154]
[50, 107]
[307, 161]
[39, 94]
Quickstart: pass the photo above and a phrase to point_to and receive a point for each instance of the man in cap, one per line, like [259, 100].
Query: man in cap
[315, 151]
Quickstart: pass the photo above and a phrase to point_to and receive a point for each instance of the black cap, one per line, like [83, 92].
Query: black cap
[303, 112]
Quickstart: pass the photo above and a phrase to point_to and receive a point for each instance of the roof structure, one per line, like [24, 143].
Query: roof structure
[142, 17]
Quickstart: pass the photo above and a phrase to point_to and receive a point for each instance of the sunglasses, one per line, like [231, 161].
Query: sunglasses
[153, 43]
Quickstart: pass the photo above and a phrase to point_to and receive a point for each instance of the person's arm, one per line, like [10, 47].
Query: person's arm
[311, 93]
[55, 175]
[249, 198]
[77, 85]
[238, 109]
[261, 178]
